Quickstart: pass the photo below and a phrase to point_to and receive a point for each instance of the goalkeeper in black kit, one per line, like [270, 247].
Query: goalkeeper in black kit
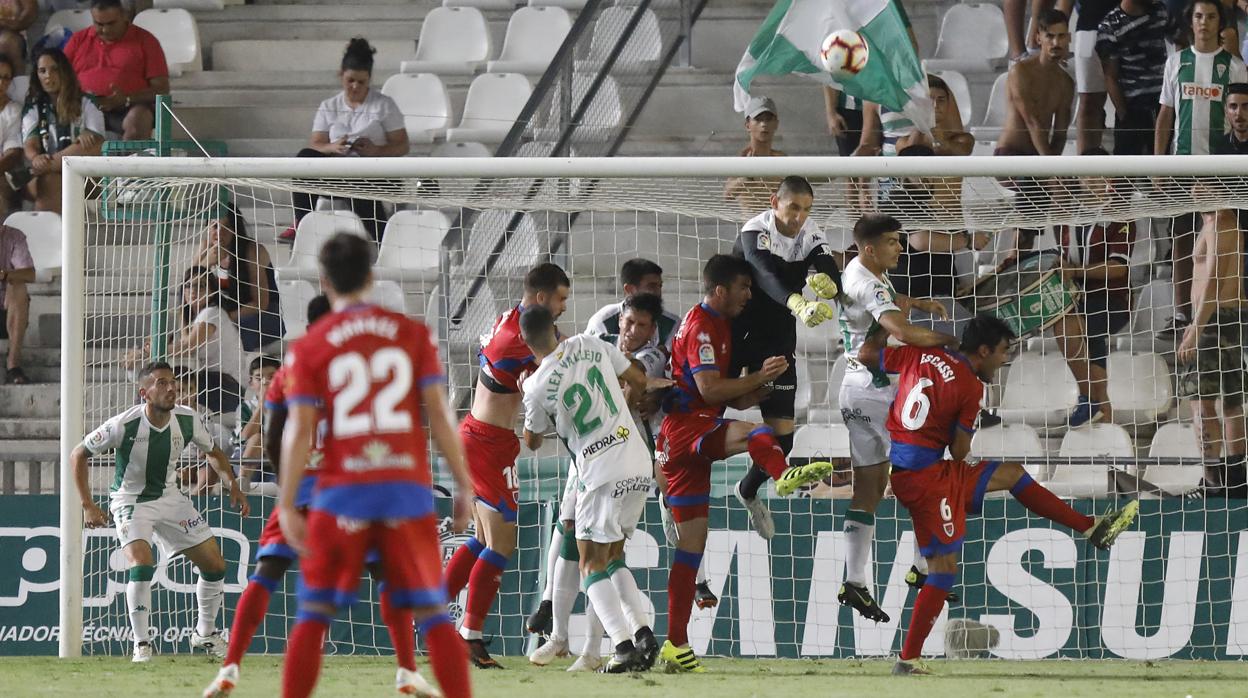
[787, 252]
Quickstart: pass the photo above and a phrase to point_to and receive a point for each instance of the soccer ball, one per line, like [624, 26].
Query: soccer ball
[844, 52]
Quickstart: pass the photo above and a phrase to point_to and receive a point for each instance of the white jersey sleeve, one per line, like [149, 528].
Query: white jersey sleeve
[536, 418]
[1239, 73]
[105, 438]
[619, 361]
[200, 436]
[1170, 81]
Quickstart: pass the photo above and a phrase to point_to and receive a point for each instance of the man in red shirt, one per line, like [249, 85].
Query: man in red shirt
[123, 66]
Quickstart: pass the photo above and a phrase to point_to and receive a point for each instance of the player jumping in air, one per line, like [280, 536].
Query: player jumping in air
[938, 396]
[577, 385]
[489, 439]
[695, 435]
[148, 507]
[375, 375]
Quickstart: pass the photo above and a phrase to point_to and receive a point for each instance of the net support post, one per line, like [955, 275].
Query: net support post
[73, 378]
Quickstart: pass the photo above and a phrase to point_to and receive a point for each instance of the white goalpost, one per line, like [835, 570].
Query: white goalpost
[455, 237]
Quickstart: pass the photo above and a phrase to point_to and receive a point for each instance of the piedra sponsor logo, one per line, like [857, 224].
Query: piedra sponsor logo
[619, 436]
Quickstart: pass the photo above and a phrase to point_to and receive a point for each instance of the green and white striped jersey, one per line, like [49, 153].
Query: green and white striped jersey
[1194, 85]
[145, 463]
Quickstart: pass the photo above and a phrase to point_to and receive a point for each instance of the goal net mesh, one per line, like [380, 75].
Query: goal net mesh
[454, 251]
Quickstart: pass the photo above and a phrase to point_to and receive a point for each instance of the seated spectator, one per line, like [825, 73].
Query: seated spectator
[123, 66]
[16, 16]
[1235, 140]
[250, 418]
[358, 121]
[58, 121]
[1131, 45]
[246, 277]
[11, 156]
[1097, 259]
[16, 270]
[753, 194]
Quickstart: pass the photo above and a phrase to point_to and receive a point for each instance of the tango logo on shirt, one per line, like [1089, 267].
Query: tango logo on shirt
[1196, 90]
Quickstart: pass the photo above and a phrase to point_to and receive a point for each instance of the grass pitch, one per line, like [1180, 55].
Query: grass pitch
[347, 677]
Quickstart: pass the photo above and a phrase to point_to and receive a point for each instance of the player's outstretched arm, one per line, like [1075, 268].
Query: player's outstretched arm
[441, 427]
[717, 390]
[276, 419]
[900, 328]
[296, 446]
[93, 516]
[221, 464]
[639, 384]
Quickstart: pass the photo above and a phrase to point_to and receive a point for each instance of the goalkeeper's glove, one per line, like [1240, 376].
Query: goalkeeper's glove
[810, 312]
[822, 285]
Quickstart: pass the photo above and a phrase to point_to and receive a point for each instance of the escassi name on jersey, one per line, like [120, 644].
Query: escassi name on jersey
[374, 325]
[946, 371]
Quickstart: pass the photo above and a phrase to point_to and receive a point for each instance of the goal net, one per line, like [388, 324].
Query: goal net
[1075, 253]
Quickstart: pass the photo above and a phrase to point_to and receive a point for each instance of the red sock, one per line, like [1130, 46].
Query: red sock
[303, 655]
[248, 614]
[447, 655]
[460, 566]
[766, 453]
[402, 634]
[1035, 497]
[927, 606]
[681, 582]
[483, 585]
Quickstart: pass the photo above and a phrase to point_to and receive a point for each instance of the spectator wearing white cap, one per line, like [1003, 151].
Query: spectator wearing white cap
[761, 121]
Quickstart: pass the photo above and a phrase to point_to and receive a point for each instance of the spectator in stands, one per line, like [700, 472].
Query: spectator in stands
[250, 418]
[358, 121]
[57, 121]
[123, 67]
[762, 120]
[1131, 44]
[16, 270]
[1096, 258]
[1089, 74]
[844, 117]
[11, 156]
[1040, 94]
[16, 16]
[1023, 38]
[246, 278]
[1193, 84]
[1235, 141]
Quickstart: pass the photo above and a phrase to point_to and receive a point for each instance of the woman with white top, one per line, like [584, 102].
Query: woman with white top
[59, 121]
[11, 155]
[358, 121]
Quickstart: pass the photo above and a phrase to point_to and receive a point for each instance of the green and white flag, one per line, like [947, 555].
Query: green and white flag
[789, 41]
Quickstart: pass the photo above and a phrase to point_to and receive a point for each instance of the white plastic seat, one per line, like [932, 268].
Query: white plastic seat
[453, 41]
[389, 295]
[1140, 387]
[294, 297]
[424, 103]
[43, 239]
[565, 4]
[178, 36]
[314, 229]
[821, 441]
[534, 35]
[193, 5]
[972, 39]
[1039, 391]
[410, 245]
[494, 101]
[481, 4]
[994, 115]
[829, 411]
[73, 20]
[1007, 441]
[1092, 441]
[601, 118]
[464, 149]
[1175, 440]
[961, 92]
[640, 54]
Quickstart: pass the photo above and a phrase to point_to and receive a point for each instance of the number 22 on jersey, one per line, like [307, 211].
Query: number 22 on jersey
[386, 375]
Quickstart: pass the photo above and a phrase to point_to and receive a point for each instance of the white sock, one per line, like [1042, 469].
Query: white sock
[556, 544]
[701, 579]
[139, 604]
[633, 603]
[606, 601]
[564, 583]
[858, 535]
[920, 562]
[210, 595]
[593, 632]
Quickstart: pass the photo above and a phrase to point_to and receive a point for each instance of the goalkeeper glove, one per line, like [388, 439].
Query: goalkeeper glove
[822, 285]
[810, 312]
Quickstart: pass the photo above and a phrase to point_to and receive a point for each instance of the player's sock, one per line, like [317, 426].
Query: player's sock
[483, 585]
[447, 655]
[766, 453]
[1035, 497]
[399, 622]
[927, 606]
[248, 614]
[552, 555]
[593, 632]
[459, 569]
[859, 532]
[680, 588]
[631, 600]
[606, 599]
[303, 654]
[209, 593]
[920, 562]
[566, 585]
[139, 600]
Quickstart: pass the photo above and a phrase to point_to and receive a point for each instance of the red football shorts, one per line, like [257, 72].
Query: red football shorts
[410, 552]
[939, 497]
[492, 453]
[687, 446]
[272, 542]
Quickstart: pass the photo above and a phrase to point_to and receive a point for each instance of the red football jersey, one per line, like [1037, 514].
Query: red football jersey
[703, 342]
[365, 367]
[503, 354]
[937, 392]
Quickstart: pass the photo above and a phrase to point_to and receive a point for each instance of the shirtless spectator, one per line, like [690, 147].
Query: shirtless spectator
[761, 122]
[16, 16]
[1131, 45]
[123, 67]
[1040, 94]
[1022, 37]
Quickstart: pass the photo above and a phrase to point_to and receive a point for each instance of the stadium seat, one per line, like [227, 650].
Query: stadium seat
[43, 238]
[493, 103]
[640, 54]
[1013, 442]
[481, 4]
[178, 35]
[821, 441]
[315, 228]
[453, 41]
[972, 39]
[192, 5]
[1039, 391]
[1175, 440]
[424, 103]
[565, 4]
[409, 247]
[961, 92]
[830, 413]
[534, 34]
[601, 118]
[465, 149]
[294, 297]
[389, 295]
[73, 20]
[1140, 387]
[994, 115]
[1093, 441]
